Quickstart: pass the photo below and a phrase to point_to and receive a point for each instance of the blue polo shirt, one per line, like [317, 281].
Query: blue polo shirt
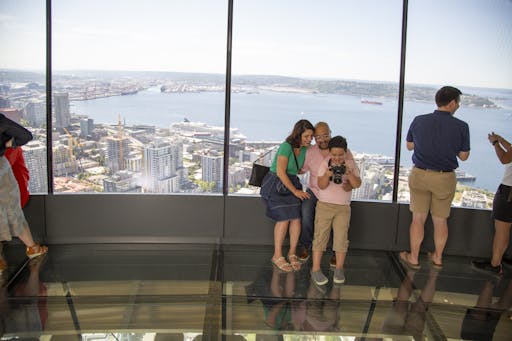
[438, 138]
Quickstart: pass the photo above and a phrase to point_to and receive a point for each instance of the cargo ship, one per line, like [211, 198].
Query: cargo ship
[367, 101]
[464, 177]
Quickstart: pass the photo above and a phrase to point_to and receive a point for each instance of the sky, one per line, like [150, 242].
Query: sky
[458, 42]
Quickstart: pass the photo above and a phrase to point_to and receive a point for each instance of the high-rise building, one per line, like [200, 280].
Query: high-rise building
[373, 177]
[363, 191]
[212, 170]
[35, 113]
[12, 114]
[236, 176]
[34, 153]
[64, 162]
[62, 114]
[86, 127]
[123, 181]
[117, 151]
[161, 160]
[473, 199]
[133, 162]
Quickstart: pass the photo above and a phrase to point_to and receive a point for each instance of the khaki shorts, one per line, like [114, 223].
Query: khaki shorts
[337, 216]
[432, 191]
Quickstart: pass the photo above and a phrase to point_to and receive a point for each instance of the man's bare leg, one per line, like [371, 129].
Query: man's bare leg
[440, 238]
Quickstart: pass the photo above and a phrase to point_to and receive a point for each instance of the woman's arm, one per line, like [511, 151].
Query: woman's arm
[502, 147]
[281, 166]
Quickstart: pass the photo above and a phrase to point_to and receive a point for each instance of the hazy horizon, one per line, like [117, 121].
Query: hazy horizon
[43, 72]
[349, 40]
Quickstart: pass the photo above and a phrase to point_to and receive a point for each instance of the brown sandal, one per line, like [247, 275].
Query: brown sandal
[36, 250]
[294, 262]
[435, 265]
[403, 257]
[282, 264]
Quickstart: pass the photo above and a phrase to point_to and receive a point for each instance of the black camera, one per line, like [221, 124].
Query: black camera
[337, 173]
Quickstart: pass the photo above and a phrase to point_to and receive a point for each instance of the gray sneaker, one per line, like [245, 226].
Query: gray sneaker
[319, 278]
[339, 276]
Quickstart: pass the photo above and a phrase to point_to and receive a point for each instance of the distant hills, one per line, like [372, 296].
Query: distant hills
[363, 89]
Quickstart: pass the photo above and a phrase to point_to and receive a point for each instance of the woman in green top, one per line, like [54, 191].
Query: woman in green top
[282, 192]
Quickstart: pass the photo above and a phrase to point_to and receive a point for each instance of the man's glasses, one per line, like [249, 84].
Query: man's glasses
[322, 137]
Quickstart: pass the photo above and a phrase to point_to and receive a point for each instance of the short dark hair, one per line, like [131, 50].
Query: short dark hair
[298, 129]
[447, 94]
[338, 142]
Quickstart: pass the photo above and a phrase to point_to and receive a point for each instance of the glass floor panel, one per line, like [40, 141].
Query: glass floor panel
[213, 292]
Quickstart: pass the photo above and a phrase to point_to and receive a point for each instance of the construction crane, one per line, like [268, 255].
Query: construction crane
[72, 144]
[120, 136]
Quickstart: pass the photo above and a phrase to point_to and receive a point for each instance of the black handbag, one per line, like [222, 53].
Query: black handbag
[258, 172]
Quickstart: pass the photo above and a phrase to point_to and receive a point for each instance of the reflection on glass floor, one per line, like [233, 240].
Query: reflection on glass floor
[208, 292]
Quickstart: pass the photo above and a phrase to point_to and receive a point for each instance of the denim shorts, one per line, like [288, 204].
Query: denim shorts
[281, 206]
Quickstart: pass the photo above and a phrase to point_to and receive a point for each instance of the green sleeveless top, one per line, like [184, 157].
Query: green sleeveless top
[285, 149]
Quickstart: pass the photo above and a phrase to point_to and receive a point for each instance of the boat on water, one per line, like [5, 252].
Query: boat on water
[367, 101]
[464, 177]
[129, 92]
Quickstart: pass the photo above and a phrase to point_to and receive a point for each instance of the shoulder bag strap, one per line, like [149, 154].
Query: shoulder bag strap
[259, 158]
[296, 162]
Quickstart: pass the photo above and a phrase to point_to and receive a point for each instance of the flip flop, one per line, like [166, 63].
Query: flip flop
[294, 262]
[434, 264]
[282, 264]
[406, 263]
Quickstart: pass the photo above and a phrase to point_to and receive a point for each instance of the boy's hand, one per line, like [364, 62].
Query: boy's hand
[328, 172]
[8, 144]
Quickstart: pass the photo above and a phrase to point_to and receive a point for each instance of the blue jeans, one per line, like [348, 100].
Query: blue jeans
[308, 221]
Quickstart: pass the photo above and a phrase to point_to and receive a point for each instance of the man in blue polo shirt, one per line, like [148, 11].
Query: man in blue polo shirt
[437, 140]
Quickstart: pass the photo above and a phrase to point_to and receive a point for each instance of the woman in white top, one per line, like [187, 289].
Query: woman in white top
[501, 209]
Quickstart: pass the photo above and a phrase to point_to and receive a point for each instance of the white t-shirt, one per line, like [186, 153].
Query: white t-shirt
[507, 177]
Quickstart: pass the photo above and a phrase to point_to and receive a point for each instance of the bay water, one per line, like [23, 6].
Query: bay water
[270, 116]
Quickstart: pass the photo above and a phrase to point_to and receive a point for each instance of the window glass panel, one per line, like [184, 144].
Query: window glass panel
[332, 61]
[138, 95]
[23, 80]
[471, 50]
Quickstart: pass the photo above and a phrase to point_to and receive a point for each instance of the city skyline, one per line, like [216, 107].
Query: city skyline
[93, 163]
[160, 99]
